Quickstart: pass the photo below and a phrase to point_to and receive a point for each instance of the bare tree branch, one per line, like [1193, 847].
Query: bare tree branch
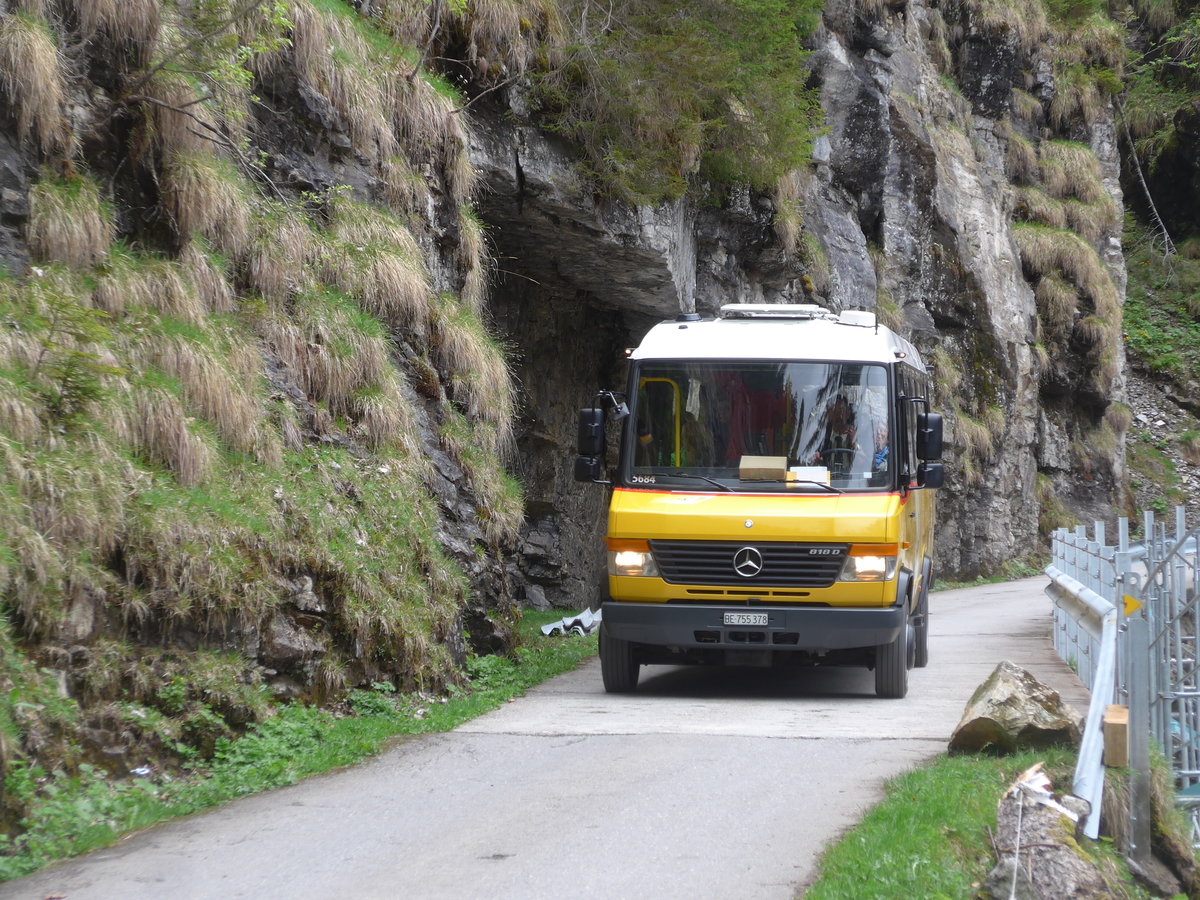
[433, 30]
[1168, 244]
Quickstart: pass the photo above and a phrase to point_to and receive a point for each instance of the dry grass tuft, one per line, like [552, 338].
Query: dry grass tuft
[333, 349]
[69, 222]
[141, 281]
[20, 415]
[1046, 251]
[430, 129]
[500, 500]
[1035, 205]
[33, 82]
[1190, 249]
[462, 178]
[1076, 95]
[281, 254]
[1118, 417]
[207, 197]
[1092, 221]
[978, 446]
[1070, 169]
[789, 216]
[178, 114]
[504, 37]
[1100, 42]
[332, 59]
[479, 375]
[1057, 302]
[1026, 22]
[475, 259]
[376, 260]
[75, 500]
[208, 272]
[405, 189]
[386, 416]
[1020, 158]
[947, 376]
[220, 387]
[130, 26]
[1027, 107]
[160, 430]
[365, 226]
[1159, 15]
[1094, 330]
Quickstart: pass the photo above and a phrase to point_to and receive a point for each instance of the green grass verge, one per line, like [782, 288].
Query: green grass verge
[69, 815]
[930, 837]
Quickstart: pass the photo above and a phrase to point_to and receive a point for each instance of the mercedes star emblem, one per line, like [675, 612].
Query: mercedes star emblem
[747, 562]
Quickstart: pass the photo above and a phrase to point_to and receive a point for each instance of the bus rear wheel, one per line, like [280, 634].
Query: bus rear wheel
[618, 667]
[921, 634]
[891, 666]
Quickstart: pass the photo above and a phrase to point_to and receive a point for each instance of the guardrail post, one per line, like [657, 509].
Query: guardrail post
[1137, 640]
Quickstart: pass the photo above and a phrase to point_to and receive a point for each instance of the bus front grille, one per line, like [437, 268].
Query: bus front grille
[775, 563]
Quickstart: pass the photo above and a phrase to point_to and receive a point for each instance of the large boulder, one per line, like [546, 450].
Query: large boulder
[1012, 710]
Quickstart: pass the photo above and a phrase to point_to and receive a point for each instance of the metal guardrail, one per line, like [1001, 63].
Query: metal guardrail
[1127, 619]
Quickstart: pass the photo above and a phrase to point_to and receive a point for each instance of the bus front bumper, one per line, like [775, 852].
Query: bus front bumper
[812, 629]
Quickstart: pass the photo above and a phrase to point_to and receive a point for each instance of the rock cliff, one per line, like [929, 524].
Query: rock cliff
[917, 205]
[277, 321]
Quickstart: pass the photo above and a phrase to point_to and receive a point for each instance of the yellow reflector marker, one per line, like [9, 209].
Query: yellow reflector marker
[1131, 605]
[874, 549]
[619, 544]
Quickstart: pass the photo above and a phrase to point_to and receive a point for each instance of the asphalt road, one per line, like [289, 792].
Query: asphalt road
[707, 783]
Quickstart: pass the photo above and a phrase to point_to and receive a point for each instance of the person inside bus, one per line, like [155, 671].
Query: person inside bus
[879, 458]
[881, 453]
[840, 447]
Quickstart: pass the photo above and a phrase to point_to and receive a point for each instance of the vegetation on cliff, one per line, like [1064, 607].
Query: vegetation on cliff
[247, 381]
[222, 394]
[668, 98]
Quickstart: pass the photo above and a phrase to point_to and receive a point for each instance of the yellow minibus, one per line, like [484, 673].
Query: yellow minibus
[772, 499]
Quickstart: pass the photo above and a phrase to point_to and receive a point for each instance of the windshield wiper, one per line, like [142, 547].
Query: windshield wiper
[828, 487]
[714, 481]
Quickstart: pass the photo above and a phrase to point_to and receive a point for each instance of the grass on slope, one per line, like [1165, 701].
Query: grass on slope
[930, 838]
[72, 815]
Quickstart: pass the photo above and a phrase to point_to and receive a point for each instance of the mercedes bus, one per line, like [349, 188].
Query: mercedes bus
[772, 497]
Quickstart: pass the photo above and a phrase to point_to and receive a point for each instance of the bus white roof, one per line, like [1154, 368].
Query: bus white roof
[779, 331]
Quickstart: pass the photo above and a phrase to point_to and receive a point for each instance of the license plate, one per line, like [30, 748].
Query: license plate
[740, 618]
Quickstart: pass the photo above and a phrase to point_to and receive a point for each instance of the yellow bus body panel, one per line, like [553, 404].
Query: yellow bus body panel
[860, 518]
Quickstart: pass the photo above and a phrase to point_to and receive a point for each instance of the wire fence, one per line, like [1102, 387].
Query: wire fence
[1127, 619]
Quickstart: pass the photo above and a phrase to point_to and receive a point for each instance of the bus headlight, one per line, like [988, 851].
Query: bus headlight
[631, 558]
[869, 564]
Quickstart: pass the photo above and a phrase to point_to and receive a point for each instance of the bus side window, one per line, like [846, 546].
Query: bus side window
[658, 423]
[908, 389]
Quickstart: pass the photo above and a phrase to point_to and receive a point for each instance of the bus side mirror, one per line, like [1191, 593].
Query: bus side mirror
[591, 432]
[931, 475]
[589, 465]
[929, 436]
[588, 468]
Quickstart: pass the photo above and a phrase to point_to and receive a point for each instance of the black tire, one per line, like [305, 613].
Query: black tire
[891, 666]
[618, 667]
[921, 634]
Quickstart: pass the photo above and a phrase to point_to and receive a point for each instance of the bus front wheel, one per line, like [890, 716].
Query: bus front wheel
[891, 665]
[618, 667]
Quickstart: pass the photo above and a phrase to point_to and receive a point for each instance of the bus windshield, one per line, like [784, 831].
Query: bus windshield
[761, 426]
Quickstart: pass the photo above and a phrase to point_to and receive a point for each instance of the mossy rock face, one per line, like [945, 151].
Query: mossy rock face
[1012, 710]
